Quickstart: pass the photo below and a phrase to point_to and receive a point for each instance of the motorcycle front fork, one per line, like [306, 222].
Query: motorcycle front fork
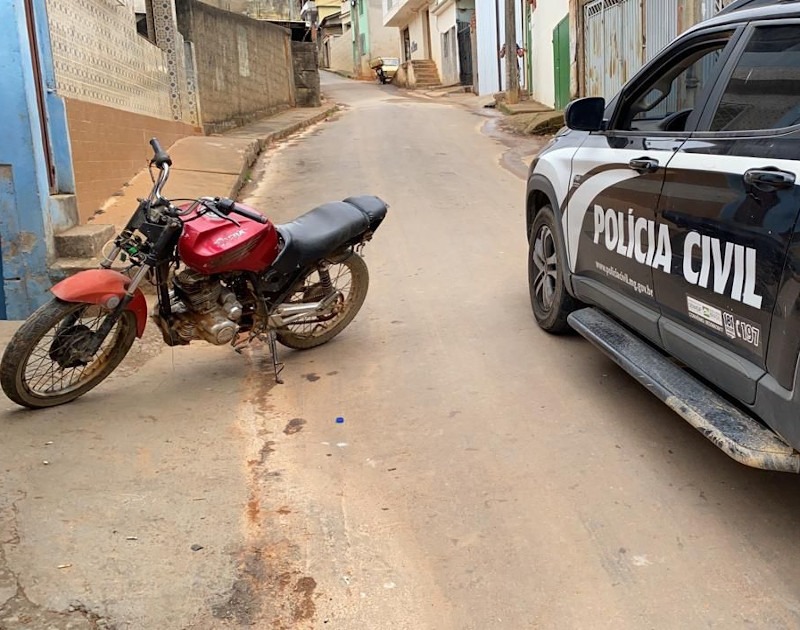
[102, 332]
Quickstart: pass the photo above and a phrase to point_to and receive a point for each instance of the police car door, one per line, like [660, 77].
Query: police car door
[615, 241]
[731, 201]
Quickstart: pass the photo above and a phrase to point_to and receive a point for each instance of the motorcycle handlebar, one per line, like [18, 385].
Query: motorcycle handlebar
[229, 205]
[160, 157]
[255, 216]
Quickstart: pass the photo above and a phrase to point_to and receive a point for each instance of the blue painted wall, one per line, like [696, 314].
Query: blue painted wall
[56, 110]
[27, 215]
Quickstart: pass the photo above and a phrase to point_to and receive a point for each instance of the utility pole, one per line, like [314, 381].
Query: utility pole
[512, 67]
[354, 4]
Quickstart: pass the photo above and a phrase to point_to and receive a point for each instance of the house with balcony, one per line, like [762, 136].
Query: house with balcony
[361, 36]
[436, 40]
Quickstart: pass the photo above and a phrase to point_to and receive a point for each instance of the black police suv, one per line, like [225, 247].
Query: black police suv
[663, 226]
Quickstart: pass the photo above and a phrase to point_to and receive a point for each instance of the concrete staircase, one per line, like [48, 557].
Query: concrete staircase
[426, 74]
[78, 247]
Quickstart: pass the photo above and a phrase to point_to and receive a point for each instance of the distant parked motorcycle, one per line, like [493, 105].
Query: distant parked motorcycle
[223, 273]
[385, 68]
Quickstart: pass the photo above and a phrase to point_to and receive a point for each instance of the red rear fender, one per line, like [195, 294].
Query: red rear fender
[98, 286]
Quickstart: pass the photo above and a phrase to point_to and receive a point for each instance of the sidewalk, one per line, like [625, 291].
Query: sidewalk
[531, 117]
[527, 117]
[206, 166]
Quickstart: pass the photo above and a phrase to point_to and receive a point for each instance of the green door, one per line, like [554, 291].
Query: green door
[561, 62]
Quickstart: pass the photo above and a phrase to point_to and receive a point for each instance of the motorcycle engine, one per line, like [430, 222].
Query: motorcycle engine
[203, 308]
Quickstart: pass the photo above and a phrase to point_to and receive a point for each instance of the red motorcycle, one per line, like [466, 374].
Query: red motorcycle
[222, 272]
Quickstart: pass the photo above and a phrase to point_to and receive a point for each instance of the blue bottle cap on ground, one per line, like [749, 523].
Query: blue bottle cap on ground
[340, 420]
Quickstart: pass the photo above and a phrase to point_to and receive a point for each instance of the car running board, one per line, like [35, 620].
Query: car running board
[737, 434]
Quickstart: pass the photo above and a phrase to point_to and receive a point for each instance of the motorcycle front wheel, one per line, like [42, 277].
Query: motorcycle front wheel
[350, 277]
[46, 362]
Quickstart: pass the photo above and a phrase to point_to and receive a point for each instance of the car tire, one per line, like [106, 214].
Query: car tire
[550, 301]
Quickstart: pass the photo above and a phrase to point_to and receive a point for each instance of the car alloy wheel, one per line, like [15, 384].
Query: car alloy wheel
[545, 262]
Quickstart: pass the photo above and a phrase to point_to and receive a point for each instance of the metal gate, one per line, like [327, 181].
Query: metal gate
[710, 8]
[661, 17]
[614, 44]
[464, 53]
[561, 65]
[613, 49]
[621, 35]
[449, 57]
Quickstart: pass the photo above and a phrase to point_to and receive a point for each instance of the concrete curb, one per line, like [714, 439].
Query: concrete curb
[263, 143]
[298, 126]
[526, 107]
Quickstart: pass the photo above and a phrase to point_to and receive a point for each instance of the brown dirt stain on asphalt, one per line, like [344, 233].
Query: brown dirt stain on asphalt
[272, 589]
[253, 510]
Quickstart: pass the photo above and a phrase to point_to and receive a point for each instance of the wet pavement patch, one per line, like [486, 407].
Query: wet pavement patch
[304, 608]
[263, 453]
[295, 425]
[242, 606]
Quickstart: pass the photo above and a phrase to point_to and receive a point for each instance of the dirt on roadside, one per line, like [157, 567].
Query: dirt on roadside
[535, 124]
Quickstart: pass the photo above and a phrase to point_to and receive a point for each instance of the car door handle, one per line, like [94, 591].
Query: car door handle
[644, 165]
[769, 178]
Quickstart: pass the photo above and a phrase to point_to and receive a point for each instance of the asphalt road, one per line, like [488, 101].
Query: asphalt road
[486, 475]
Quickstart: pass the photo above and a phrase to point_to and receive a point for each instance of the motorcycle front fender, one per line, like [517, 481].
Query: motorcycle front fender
[98, 286]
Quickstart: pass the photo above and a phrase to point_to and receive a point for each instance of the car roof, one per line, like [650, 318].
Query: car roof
[746, 10]
[738, 5]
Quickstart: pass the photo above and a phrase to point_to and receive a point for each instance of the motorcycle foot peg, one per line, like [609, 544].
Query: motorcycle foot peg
[240, 342]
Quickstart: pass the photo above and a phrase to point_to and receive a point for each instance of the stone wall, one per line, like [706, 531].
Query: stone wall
[280, 10]
[243, 66]
[341, 52]
[306, 74]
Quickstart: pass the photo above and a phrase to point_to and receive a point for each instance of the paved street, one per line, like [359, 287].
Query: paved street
[486, 475]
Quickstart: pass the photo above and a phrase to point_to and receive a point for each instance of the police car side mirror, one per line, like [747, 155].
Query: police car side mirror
[586, 114]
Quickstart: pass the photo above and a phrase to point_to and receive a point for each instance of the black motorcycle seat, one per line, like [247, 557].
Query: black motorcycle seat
[374, 208]
[317, 233]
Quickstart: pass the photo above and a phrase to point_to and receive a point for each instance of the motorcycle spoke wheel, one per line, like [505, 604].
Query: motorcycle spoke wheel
[350, 278]
[47, 362]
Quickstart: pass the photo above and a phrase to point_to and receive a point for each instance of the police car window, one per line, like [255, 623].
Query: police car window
[764, 89]
[669, 99]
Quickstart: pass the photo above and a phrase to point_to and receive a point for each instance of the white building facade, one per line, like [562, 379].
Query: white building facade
[491, 35]
[543, 52]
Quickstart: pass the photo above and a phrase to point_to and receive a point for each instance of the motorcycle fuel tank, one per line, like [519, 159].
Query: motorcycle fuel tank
[210, 244]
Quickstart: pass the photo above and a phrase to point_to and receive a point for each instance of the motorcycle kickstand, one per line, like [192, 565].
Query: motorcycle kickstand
[271, 339]
[273, 351]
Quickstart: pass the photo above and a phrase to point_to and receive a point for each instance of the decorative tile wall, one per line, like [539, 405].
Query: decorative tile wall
[171, 42]
[192, 109]
[100, 58]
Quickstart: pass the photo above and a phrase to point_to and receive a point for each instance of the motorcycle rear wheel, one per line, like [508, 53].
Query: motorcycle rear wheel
[350, 276]
[43, 365]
